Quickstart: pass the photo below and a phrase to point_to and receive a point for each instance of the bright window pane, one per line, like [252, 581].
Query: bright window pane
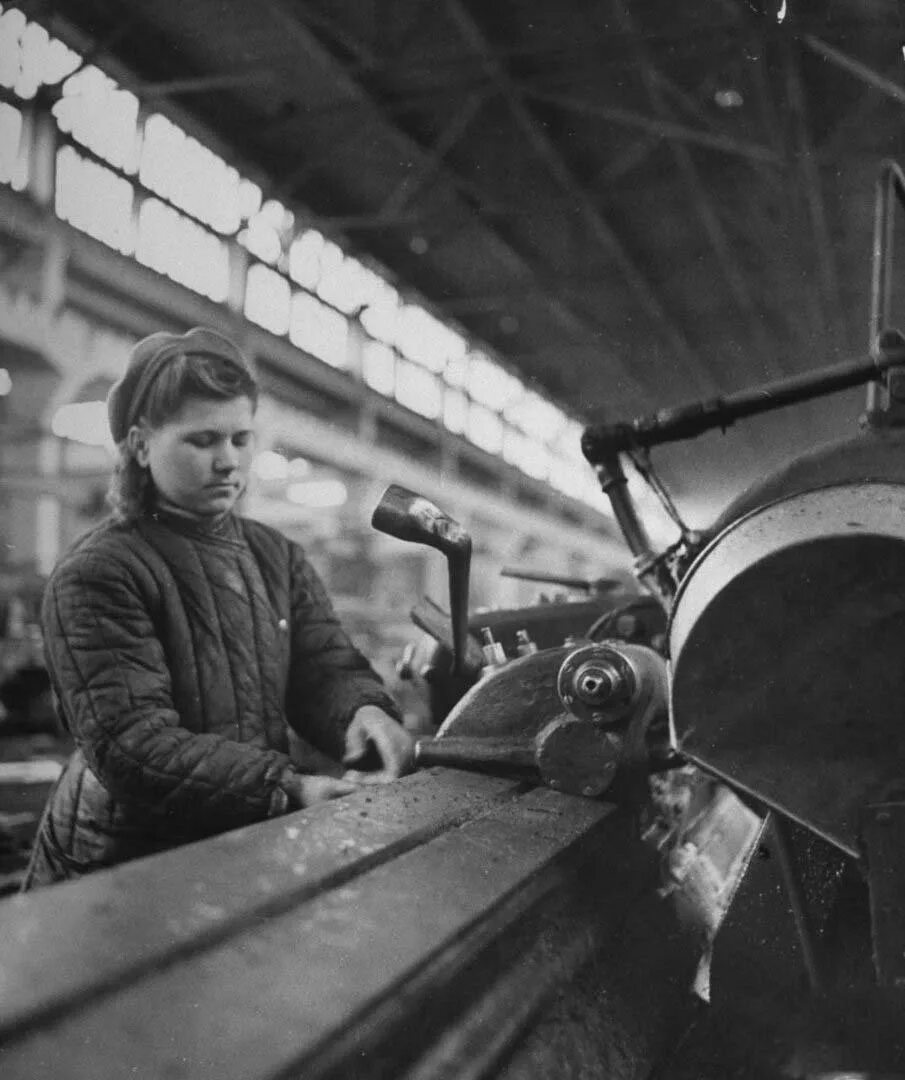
[418, 389]
[267, 299]
[485, 429]
[94, 200]
[305, 258]
[456, 371]
[13, 151]
[424, 339]
[267, 232]
[568, 442]
[183, 250]
[189, 175]
[455, 411]
[537, 416]
[29, 57]
[100, 116]
[378, 367]
[319, 330]
[526, 454]
[345, 283]
[490, 384]
[379, 318]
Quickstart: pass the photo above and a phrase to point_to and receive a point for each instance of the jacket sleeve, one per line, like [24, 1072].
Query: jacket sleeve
[329, 678]
[111, 676]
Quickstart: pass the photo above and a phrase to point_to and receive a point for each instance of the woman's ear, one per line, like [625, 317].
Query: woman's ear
[137, 440]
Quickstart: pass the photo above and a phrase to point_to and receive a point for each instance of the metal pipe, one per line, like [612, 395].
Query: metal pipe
[469, 751]
[600, 442]
[891, 183]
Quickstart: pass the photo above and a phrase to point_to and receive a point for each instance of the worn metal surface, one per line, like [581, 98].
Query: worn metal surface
[423, 929]
[72, 942]
[884, 847]
[518, 699]
[786, 646]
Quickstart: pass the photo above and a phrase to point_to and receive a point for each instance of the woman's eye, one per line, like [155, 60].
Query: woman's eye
[242, 440]
[201, 441]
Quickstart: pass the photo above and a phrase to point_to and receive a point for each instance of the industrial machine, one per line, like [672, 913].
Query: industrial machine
[609, 827]
[780, 678]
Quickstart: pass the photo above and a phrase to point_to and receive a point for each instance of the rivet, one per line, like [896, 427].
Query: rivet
[884, 817]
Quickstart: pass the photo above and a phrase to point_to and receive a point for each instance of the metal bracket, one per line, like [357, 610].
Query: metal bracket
[883, 835]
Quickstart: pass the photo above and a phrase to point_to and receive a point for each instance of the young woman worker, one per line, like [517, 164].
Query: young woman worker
[182, 638]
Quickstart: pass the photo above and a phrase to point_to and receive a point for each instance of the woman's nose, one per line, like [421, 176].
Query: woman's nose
[226, 458]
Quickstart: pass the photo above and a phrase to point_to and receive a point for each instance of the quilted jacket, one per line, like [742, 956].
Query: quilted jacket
[178, 656]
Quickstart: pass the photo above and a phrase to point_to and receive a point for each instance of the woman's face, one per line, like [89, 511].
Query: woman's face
[199, 458]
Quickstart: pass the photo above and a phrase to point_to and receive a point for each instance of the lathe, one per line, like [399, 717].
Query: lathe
[605, 832]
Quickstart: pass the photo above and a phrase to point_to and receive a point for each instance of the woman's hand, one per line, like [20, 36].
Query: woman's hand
[371, 726]
[306, 790]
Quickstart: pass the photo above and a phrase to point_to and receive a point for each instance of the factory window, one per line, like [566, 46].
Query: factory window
[267, 299]
[441, 377]
[455, 411]
[489, 384]
[526, 454]
[183, 250]
[95, 200]
[29, 57]
[424, 339]
[100, 116]
[418, 389]
[457, 369]
[380, 316]
[267, 231]
[187, 174]
[351, 286]
[304, 258]
[378, 367]
[535, 415]
[485, 429]
[13, 148]
[319, 330]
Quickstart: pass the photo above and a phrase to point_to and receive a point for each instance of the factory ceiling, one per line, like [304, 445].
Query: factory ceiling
[635, 202]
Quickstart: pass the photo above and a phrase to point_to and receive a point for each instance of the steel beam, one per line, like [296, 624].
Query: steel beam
[433, 159]
[600, 229]
[856, 68]
[825, 257]
[703, 204]
[659, 126]
[562, 307]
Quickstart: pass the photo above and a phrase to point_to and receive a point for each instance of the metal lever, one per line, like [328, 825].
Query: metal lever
[599, 585]
[409, 516]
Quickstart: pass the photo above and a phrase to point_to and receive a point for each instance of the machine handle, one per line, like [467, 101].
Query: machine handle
[409, 516]
[471, 751]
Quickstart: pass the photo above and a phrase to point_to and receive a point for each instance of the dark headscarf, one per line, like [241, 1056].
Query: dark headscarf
[148, 358]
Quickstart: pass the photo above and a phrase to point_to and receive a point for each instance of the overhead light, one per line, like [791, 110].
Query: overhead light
[728, 99]
[318, 494]
[299, 467]
[6, 382]
[781, 14]
[83, 422]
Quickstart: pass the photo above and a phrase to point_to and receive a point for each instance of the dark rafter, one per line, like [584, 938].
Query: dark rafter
[561, 305]
[732, 273]
[809, 174]
[562, 173]
[434, 157]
